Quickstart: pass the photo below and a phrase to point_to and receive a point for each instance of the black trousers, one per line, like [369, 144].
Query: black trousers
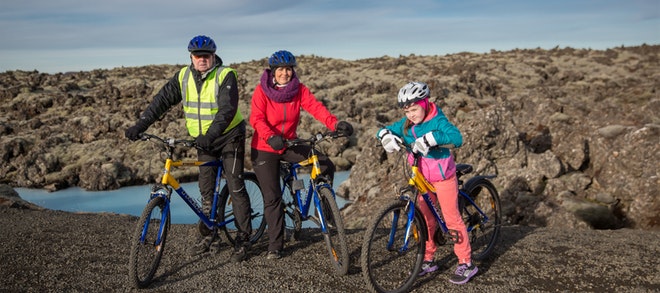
[231, 149]
[267, 168]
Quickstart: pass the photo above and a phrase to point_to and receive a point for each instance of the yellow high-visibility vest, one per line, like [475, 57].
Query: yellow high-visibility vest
[200, 109]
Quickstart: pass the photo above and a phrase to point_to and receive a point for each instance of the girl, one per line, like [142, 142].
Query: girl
[429, 132]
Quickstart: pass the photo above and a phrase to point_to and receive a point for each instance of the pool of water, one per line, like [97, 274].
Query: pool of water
[126, 200]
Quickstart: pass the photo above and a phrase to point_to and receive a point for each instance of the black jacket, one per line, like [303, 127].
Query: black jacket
[170, 95]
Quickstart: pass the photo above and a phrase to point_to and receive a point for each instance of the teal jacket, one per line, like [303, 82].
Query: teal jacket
[439, 163]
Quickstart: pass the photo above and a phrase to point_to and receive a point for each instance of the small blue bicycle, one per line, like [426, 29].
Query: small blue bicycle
[394, 243]
[148, 241]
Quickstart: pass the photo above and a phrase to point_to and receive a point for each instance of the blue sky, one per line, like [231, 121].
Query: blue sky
[72, 35]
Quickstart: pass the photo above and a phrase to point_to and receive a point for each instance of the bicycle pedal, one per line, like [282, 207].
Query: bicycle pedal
[453, 236]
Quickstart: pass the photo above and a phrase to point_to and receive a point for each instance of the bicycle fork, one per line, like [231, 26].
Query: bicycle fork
[317, 203]
[410, 231]
[161, 228]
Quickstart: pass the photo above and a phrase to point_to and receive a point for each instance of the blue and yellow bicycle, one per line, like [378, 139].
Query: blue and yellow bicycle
[394, 242]
[148, 240]
[301, 198]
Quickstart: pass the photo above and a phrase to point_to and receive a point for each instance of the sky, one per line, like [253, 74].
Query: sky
[81, 35]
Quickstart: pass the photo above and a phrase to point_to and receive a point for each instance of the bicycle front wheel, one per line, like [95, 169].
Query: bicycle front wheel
[483, 227]
[335, 236]
[148, 242]
[257, 221]
[389, 263]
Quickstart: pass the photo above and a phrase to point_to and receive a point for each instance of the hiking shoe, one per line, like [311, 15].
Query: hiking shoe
[240, 253]
[202, 245]
[428, 267]
[463, 274]
[274, 254]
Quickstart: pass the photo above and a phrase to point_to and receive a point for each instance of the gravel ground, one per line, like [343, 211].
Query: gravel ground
[54, 251]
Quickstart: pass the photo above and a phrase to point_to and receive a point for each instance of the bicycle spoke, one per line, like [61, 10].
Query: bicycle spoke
[148, 243]
[483, 222]
[334, 235]
[389, 264]
[226, 210]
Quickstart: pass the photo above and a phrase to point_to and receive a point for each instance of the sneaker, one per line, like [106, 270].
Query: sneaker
[274, 254]
[202, 245]
[428, 267]
[463, 274]
[240, 254]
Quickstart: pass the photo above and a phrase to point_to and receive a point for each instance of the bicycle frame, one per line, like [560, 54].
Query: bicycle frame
[170, 183]
[169, 180]
[312, 191]
[417, 183]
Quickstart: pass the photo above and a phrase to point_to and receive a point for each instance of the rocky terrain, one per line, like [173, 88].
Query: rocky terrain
[55, 251]
[572, 134]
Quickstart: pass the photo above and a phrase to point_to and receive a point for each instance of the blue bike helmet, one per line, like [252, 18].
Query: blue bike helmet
[201, 45]
[282, 59]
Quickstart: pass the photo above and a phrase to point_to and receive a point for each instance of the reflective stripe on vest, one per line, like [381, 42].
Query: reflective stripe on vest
[200, 109]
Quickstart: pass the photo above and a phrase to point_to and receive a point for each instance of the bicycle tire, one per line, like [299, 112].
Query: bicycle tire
[292, 216]
[483, 235]
[335, 236]
[226, 210]
[388, 268]
[145, 255]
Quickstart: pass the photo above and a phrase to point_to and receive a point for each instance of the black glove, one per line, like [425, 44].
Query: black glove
[133, 132]
[204, 141]
[344, 128]
[276, 142]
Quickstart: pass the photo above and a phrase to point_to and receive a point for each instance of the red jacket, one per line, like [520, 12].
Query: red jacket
[269, 118]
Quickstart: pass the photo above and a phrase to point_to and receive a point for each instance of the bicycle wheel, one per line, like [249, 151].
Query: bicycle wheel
[226, 209]
[388, 264]
[292, 216]
[335, 236]
[483, 233]
[148, 242]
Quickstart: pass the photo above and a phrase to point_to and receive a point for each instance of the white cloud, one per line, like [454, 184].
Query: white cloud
[64, 35]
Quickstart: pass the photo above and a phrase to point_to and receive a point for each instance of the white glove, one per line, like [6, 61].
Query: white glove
[424, 143]
[389, 141]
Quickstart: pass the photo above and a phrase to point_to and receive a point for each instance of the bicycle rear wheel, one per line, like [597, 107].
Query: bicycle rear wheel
[483, 232]
[335, 236]
[148, 242]
[226, 209]
[388, 264]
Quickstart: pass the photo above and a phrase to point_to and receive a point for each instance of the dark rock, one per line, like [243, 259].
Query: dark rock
[563, 120]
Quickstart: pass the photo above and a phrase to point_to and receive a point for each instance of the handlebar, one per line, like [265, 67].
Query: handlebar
[314, 139]
[171, 142]
[409, 148]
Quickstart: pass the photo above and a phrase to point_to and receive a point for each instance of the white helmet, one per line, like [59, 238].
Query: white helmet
[413, 92]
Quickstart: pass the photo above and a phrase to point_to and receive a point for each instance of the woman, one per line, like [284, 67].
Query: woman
[275, 114]
[429, 132]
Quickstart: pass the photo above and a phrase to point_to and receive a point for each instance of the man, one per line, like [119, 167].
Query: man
[209, 93]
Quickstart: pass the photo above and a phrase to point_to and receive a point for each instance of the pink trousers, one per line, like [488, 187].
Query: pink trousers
[447, 191]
